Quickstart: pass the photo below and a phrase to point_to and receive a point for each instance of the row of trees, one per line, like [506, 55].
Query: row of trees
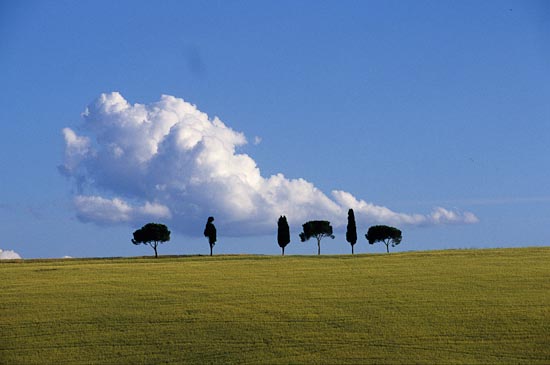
[153, 234]
[321, 229]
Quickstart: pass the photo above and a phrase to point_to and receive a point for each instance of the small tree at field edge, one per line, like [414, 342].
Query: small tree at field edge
[317, 229]
[351, 232]
[151, 234]
[283, 233]
[387, 235]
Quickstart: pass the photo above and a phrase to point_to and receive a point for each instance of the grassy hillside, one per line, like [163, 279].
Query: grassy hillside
[485, 306]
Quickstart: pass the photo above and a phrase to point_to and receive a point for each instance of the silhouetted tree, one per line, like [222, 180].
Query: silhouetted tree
[151, 234]
[283, 233]
[351, 231]
[386, 234]
[210, 232]
[317, 229]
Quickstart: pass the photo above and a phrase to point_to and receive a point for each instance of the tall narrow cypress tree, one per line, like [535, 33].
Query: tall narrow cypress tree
[283, 233]
[210, 232]
[351, 233]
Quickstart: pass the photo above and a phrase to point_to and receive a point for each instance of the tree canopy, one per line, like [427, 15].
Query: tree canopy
[386, 234]
[317, 229]
[151, 234]
[283, 233]
[351, 231]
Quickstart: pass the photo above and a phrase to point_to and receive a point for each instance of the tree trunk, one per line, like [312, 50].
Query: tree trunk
[211, 249]
[318, 246]
[154, 246]
[352, 249]
[387, 248]
[283, 250]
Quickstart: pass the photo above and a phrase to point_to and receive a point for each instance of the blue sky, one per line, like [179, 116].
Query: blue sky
[433, 116]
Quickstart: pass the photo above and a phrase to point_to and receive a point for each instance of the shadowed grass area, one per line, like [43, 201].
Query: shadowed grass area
[471, 306]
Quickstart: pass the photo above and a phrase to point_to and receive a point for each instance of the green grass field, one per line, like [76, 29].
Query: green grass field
[465, 306]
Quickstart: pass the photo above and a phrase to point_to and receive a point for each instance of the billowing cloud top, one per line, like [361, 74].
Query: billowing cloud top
[170, 162]
[9, 255]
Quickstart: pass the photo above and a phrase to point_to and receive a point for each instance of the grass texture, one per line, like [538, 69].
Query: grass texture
[440, 307]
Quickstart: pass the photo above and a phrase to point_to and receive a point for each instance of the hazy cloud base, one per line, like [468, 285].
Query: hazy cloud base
[168, 161]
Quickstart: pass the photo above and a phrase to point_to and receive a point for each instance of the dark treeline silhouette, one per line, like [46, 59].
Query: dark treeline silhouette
[153, 234]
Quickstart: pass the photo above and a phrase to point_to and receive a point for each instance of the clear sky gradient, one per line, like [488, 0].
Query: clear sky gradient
[409, 106]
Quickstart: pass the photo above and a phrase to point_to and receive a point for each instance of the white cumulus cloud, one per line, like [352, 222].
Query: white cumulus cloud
[9, 255]
[170, 162]
[442, 215]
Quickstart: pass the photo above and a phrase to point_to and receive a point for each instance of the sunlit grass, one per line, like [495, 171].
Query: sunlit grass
[479, 306]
